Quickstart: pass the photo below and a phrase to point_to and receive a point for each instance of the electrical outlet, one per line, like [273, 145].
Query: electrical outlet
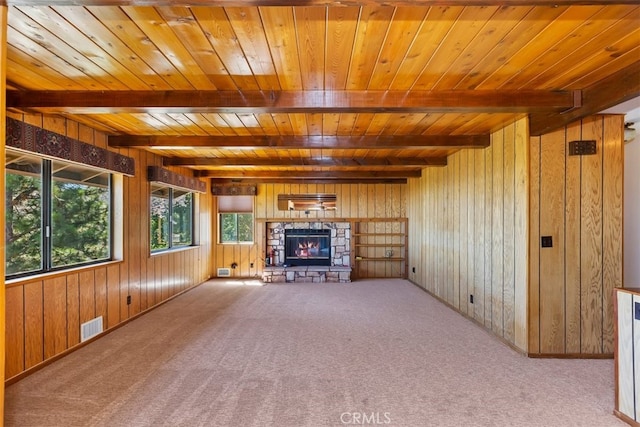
[413, 269]
[128, 299]
[546, 241]
[251, 265]
[471, 298]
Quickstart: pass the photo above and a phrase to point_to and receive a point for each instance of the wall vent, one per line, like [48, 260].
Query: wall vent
[91, 328]
[224, 272]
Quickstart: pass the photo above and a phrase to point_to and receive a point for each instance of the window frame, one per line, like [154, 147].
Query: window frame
[192, 218]
[236, 242]
[46, 239]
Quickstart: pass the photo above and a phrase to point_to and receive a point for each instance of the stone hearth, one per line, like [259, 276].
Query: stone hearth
[308, 274]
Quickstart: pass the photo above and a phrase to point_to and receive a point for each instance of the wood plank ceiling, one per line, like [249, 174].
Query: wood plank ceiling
[309, 90]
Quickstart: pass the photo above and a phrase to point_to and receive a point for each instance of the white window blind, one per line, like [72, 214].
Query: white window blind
[235, 204]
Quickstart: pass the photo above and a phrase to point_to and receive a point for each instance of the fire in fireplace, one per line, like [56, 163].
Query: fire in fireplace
[307, 247]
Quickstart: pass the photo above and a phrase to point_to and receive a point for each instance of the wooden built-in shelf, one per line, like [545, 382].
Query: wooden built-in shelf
[381, 245]
[379, 234]
[374, 243]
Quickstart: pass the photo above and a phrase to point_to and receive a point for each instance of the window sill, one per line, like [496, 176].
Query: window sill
[173, 250]
[58, 273]
[237, 243]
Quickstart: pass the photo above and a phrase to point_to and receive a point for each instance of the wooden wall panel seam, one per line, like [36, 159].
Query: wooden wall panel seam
[602, 254]
[564, 248]
[538, 243]
[580, 231]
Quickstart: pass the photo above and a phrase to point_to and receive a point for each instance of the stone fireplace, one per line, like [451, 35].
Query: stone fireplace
[308, 252]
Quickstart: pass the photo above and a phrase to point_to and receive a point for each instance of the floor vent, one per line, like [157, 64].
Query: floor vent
[224, 272]
[90, 329]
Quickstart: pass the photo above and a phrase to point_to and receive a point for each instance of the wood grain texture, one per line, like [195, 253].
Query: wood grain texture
[86, 283]
[471, 227]
[488, 229]
[591, 221]
[414, 251]
[521, 230]
[498, 259]
[123, 274]
[55, 316]
[572, 224]
[534, 247]
[113, 296]
[100, 286]
[14, 335]
[73, 311]
[460, 191]
[438, 263]
[33, 325]
[591, 240]
[509, 236]
[463, 222]
[455, 232]
[612, 216]
[480, 236]
[137, 202]
[370, 69]
[552, 153]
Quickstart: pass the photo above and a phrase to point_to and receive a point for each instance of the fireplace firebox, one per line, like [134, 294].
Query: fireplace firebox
[307, 247]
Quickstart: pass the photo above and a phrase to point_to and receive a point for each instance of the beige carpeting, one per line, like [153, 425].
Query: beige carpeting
[366, 353]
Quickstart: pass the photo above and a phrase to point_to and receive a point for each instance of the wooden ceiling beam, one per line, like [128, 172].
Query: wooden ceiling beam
[315, 101]
[609, 92]
[306, 161]
[254, 3]
[371, 142]
[330, 175]
[294, 180]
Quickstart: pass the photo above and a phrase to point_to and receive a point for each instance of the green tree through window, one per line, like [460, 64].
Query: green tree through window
[57, 214]
[80, 223]
[236, 228]
[23, 224]
[171, 215]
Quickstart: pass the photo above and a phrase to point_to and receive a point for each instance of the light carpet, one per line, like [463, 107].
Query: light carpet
[372, 352]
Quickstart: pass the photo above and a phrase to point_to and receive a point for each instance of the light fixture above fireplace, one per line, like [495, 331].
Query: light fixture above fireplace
[306, 202]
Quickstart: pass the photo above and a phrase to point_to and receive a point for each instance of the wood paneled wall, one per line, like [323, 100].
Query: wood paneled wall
[577, 200]
[468, 227]
[354, 201]
[3, 100]
[44, 314]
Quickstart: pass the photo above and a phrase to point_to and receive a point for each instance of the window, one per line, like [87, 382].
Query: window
[236, 219]
[236, 228]
[58, 214]
[171, 215]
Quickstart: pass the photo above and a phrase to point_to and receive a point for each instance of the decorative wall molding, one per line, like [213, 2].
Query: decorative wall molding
[41, 141]
[234, 190]
[174, 179]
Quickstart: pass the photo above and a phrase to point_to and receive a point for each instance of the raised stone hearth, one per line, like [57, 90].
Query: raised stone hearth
[309, 274]
[340, 259]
